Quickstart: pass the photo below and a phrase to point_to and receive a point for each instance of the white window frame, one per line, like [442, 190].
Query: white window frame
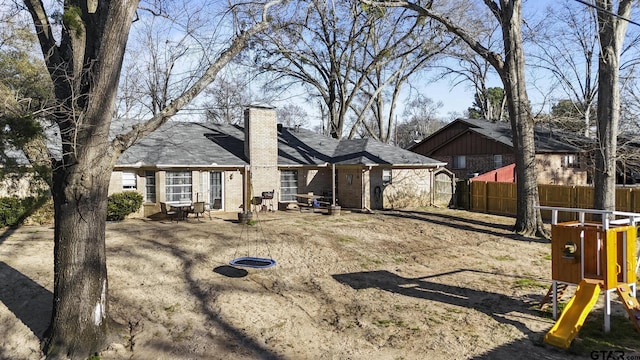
[288, 185]
[129, 181]
[387, 176]
[203, 191]
[178, 185]
[571, 161]
[150, 190]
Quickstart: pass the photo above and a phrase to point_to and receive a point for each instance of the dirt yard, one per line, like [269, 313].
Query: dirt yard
[389, 285]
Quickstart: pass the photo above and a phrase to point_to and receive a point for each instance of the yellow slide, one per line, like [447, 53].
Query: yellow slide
[573, 316]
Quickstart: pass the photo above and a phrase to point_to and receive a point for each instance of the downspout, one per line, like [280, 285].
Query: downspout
[246, 190]
[333, 184]
[432, 199]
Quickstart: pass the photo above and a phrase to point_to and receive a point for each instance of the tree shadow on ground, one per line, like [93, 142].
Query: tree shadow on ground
[203, 293]
[498, 306]
[462, 223]
[7, 233]
[522, 349]
[27, 300]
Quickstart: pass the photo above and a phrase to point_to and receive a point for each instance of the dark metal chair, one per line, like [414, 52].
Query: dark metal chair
[167, 212]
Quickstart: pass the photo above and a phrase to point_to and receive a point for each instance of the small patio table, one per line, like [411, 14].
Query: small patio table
[183, 208]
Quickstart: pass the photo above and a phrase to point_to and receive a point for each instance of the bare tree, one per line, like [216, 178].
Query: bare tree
[566, 46]
[511, 69]
[612, 27]
[420, 121]
[630, 107]
[172, 49]
[85, 64]
[226, 99]
[375, 105]
[471, 68]
[335, 48]
[292, 115]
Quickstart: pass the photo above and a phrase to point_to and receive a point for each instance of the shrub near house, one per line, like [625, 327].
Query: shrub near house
[120, 205]
[14, 210]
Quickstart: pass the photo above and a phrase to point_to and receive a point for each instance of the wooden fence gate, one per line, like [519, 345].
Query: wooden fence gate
[444, 188]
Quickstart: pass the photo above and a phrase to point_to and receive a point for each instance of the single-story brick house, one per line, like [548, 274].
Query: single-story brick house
[219, 164]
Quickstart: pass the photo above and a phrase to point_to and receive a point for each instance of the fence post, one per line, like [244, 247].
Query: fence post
[486, 197]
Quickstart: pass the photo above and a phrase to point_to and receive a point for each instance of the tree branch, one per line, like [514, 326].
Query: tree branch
[492, 57]
[126, 140]
[44, 32]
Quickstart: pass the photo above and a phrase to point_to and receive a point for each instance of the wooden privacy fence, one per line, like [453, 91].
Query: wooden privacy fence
[500, 198]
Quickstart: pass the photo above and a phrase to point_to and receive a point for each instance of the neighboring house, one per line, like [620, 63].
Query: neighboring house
[209, 162]
[472, 147]
[17, 178]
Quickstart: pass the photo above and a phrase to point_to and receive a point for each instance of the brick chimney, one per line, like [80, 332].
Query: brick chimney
[261, 148]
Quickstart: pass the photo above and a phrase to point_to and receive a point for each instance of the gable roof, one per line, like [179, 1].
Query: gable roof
[191, 144]
[547, 140]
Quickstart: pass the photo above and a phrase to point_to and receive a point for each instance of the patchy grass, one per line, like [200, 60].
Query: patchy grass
[395, 322]
[399, 259]
[172, 308]
[529, 283]
[548, 311]
[371, 263]
[436, 289]
[383, 323]
[593, 338]
[346, 239]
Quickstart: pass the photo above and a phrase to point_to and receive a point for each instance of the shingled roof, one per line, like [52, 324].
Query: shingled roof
[547, 139]
[201, 145]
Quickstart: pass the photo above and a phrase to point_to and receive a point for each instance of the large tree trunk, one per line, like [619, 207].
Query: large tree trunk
[529, 219]
[611, 31]
[80, 325]
[85, 68]
[608, 112]
[511, 71]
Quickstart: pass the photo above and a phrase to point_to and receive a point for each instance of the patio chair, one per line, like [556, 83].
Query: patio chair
[198, 209]
[168, 213]
[256, 204]
[217, 204]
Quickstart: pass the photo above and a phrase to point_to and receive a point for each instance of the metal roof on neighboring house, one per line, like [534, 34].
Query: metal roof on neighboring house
[199, 144]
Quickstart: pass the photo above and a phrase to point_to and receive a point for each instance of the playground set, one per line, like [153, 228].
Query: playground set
[596, 256]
